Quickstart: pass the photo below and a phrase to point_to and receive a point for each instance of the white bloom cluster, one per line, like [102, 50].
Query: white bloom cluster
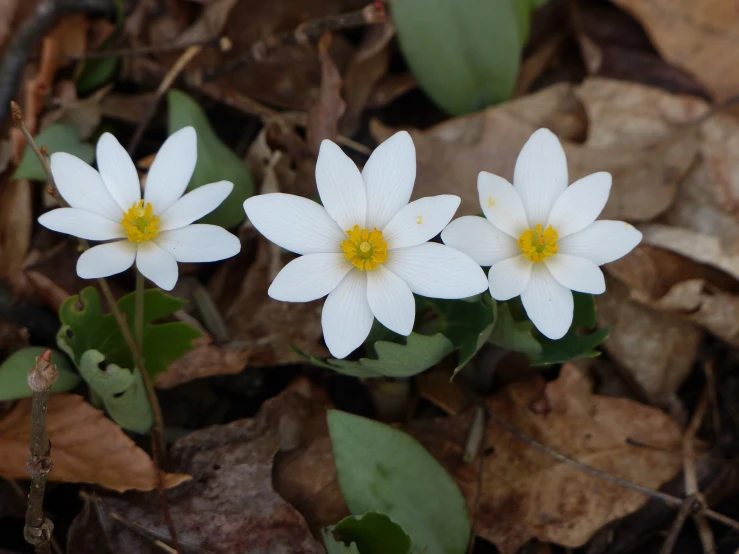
[367, 246]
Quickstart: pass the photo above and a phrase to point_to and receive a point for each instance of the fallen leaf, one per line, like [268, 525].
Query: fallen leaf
[527, 494]
[324, 115]
[655, 350]
[8, 8]
[86, 447]
[204, 360]
[627, 124]
[266, 328]
[230, 505]
[699, 37]
[16, 224]
[367, 66]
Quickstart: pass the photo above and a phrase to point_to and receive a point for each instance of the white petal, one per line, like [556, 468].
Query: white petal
[548, 304]
[540, 175]
[389, 175]
[171, 170]
[346, 317]
[420, 221]
[195, 205]
[602, 242]
[294, 223]
[391, 300]
[576, 273]
[437, 271]
[156, 265]
[199, 243]
[508, 278]
[82, 224]
[501, 204]
[340, 187]
[82, 187]
[118, 172]
[106, 259]
[476, 237]
[309, 277]
[580, 203]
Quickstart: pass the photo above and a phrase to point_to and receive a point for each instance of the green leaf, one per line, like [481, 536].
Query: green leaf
[467, 323]
[121, 391]
[95, 72]
[384, 469]
[573, 344]
[216, 161]
[86, 327]
[372, 533]
[14, 372]
[334, 546]
[514, 335]
[419, 353]
[59, 137]
[465, 55]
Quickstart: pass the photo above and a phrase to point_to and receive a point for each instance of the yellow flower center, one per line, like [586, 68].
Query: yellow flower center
[140, 223]
[537, 244]
[364, 249]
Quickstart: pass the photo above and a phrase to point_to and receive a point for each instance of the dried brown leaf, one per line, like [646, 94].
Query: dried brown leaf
[204, 360]
[527, 494]
[628, 127]
[655, 350]
[699, 37]
[324, 115]
[230, 505]
[87, 447]
[16, 224]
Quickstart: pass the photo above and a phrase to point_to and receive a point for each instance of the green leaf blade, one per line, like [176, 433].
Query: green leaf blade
[14, 373]
[383, 469]
[216, 161]
[59, 137]
[373, 533]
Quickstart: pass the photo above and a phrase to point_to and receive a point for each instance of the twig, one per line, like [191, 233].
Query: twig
[41, 20]
[158, 444]
[39, 528]
[305, 33]
[164, 86]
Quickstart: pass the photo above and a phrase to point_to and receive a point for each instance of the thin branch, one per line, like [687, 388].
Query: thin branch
[158, 444]
[164, 86]
[309, 31]
[39, 528]
[24, 40]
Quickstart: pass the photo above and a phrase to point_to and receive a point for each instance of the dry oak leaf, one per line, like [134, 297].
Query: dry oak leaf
[699, 37]
[230, 505]
[627, 125]
[527, 494]
[86, 447]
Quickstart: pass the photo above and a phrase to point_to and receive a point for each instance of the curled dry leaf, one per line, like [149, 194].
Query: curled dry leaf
[655, 350]
[230, 505]
[204, 360]
[699, 37]
[324, 115]
[16, 222]
[87, 447]
[631, 132]
[527, 494]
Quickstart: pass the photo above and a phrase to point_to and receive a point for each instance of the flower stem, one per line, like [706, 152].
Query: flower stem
[138, 322]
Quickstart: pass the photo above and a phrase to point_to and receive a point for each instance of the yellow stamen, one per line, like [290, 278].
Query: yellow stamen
[140, 223]
[537, 244]
[364, 249]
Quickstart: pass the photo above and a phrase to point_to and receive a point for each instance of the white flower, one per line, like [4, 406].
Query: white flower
[540, 236]
[156, 231]
[366, 247]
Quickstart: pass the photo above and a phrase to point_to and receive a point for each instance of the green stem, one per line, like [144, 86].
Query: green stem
[138, 322]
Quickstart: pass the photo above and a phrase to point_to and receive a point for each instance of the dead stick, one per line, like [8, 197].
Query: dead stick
[39, 528]
[157, 432]
[303, 34]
